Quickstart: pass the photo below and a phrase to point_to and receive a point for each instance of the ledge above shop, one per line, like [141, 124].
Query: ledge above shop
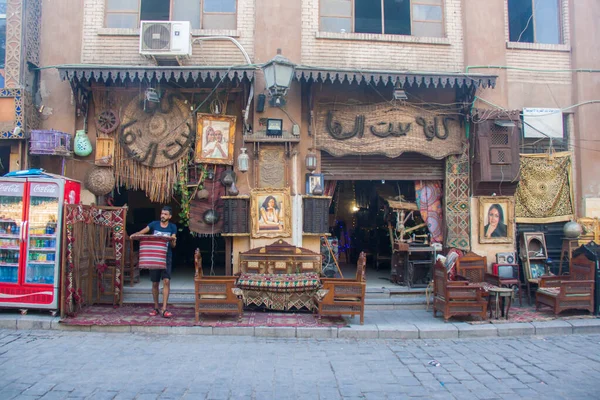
[403, 78]
[137, 73]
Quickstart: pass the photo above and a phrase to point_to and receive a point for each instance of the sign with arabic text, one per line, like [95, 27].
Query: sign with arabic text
[389, 130]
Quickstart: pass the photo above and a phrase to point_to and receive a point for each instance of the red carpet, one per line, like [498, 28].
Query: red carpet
[529, 314]
[137, 315]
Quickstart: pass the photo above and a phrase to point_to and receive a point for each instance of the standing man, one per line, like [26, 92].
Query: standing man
[162, 228]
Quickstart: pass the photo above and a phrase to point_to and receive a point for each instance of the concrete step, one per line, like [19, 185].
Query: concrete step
[377, 299]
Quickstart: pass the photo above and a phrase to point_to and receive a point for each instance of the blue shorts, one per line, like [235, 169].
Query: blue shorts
[156, 275]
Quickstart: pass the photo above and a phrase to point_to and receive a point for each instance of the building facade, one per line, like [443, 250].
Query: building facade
[391, 99]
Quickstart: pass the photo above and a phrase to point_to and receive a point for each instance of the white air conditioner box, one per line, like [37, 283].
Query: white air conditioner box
[165, 38]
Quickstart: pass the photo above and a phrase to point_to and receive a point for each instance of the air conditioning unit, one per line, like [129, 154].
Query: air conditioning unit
[165, 38]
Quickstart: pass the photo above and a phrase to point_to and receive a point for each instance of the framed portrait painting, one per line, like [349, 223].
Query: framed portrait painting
[214, 139]
[271, 214]
[496, 221]
[314, 180]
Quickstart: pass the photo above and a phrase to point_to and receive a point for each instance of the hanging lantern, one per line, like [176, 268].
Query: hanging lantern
[227, 178]
[311, 160]
[233, 190]
[318, 189]
[243, 160]
[210, 217]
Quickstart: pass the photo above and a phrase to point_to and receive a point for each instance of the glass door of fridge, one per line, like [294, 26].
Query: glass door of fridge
[11, 228]
[42, 239]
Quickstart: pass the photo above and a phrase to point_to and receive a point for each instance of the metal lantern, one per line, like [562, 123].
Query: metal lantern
[278, 77]
[243, 160]
[227, 178]
[311, 161]
[210, 217]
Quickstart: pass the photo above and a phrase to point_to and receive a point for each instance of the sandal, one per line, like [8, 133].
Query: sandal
[167, 314]
[154, 312]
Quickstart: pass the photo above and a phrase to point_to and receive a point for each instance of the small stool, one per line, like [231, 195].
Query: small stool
[499, 293]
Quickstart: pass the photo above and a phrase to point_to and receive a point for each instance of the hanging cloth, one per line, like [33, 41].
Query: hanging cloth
[429, 201]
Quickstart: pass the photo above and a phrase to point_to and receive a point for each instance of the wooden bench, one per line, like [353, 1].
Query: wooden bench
[280, 258]
[215, 294]
[572, 292]
[279, 276]
[344, 296]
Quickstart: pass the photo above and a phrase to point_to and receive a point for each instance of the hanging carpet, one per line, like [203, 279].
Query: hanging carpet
[545, 192]
[152, 141]
[457, 200]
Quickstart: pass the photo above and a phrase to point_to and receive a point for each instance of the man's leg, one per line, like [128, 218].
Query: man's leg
[155, 294]
[166, 290]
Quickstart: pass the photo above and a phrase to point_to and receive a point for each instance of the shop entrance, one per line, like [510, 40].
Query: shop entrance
[364, 214]
[142, 211]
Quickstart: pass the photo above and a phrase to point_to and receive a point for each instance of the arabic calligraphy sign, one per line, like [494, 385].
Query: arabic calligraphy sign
[388, 130]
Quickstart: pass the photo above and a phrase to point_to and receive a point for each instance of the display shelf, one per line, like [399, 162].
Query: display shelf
[41, 262]
[42, 249]
[9, 248]
[3, 264]
[42, 235]
[7, 236]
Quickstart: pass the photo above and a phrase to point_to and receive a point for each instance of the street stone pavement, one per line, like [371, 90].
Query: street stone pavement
[84, 365]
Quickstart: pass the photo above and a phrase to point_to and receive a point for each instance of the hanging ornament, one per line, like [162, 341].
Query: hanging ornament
[107, 121]
[83, 146]
[210, 217]
[202, 194]
[233, 190]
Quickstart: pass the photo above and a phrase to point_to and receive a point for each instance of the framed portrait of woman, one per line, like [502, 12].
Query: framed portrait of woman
[215, 137]
[270, 212]
[496, 221]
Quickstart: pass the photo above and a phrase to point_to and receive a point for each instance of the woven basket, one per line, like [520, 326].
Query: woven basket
[100, 181]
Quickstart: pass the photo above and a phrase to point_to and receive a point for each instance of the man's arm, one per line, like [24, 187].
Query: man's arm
[142, 232]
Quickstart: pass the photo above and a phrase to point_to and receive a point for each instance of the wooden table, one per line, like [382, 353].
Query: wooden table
[409, 265]
[499, 294]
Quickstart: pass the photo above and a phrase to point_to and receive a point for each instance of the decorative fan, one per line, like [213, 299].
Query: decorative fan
[107, 121]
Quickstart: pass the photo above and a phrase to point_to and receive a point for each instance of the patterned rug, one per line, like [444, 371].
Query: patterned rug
[529, 314]
[457, 200]
[138, 315]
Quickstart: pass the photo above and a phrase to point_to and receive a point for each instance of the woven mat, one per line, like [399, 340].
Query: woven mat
[137, 315]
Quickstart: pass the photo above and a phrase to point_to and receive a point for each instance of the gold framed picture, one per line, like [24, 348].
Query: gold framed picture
[496, 220]
[215, 138]
[271, 213]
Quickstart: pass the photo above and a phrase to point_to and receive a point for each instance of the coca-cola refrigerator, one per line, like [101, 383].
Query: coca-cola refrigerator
[31, 207]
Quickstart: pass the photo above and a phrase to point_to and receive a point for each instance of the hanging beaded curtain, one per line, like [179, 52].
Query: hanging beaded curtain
[80, 222]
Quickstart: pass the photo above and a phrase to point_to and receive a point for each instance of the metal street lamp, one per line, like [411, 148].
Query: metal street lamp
[278, 77]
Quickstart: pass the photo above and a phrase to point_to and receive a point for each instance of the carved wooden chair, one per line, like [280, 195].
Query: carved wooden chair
[344, 296]
[456, 297]
[215, 294]
[567, 292]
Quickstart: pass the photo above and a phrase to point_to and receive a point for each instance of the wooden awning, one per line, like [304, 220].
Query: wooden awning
[140, 73]
[405, 78]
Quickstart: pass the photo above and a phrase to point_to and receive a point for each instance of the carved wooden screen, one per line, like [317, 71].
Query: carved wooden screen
[316, 214]
[235, 215]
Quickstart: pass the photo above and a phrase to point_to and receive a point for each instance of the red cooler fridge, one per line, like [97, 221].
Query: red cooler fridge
[31, 207]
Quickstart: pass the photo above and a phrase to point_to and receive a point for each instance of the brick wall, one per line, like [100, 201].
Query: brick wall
[373, 51]
[121, 46]
[540, 56]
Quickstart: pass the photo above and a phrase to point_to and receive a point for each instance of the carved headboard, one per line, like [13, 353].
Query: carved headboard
[280, 258]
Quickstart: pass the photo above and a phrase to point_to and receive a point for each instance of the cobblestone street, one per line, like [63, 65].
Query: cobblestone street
[56, 365]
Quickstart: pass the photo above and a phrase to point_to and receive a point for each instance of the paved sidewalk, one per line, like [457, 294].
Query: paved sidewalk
[379, 324]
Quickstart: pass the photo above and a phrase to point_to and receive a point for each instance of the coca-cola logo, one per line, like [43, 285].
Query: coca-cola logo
[9, 188]
[44, 189]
